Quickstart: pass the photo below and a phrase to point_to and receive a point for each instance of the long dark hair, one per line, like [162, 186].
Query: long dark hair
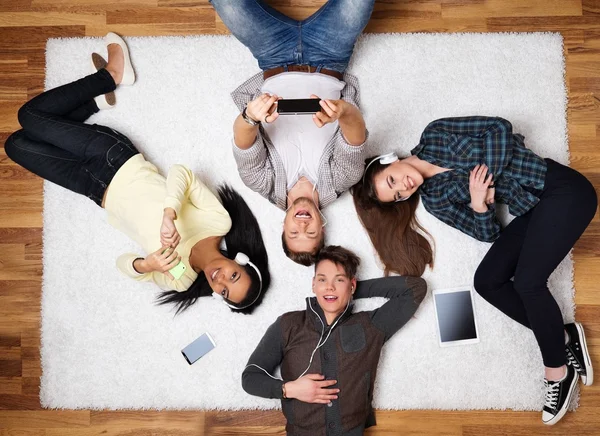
[393, 227]
[244, 236]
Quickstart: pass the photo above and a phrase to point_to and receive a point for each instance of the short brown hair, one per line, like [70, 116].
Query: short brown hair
[305, 258]
[340, 256]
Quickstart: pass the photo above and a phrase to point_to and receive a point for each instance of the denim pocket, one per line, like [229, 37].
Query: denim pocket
[114, 153]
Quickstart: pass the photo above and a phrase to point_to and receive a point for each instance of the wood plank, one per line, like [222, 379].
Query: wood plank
[44, 419]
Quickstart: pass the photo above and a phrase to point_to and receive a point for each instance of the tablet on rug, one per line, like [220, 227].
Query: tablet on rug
[455, 316]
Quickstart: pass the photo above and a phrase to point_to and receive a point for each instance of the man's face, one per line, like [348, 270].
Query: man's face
[333, 288]
[302, 226]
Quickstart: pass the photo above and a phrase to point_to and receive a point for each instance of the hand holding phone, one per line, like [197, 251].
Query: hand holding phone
[263, 106]
[330, 111]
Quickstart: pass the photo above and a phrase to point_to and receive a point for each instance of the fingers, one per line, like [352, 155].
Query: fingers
[315, 377]
[478, 175]
[269, 103]
[324, 384]
[330, 108]
[320, 119]
[314, 96]
[169, 275]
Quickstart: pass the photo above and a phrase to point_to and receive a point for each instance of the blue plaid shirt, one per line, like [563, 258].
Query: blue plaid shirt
[462, 143]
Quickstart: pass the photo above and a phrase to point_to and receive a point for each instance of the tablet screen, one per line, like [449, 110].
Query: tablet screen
[455, 316]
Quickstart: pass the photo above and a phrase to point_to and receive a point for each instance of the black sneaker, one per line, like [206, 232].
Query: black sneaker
[577, 353]
[558, 396]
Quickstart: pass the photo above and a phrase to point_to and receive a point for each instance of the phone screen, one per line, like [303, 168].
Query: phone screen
[198, 348]
[298, 106]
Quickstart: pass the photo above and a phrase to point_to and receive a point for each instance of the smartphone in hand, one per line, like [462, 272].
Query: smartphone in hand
[301, 106]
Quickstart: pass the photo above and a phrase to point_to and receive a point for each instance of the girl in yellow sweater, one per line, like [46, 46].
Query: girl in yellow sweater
[177, 219]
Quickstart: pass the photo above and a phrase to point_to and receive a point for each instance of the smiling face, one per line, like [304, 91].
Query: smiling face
[397, 180]
[302, 226]
[228, 279]
[333, 288]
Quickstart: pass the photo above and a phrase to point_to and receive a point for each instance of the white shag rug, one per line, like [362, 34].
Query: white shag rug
[105, 345]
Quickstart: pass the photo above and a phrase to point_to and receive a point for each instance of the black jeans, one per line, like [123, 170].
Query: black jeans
[56, 145]
[513, 275]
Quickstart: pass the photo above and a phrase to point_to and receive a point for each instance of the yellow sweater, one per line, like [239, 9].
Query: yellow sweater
[135, 201]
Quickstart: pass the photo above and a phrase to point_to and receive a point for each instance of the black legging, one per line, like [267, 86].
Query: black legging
[513, 275]
[56, 145]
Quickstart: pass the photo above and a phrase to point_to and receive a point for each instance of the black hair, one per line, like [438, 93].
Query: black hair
[244, 236]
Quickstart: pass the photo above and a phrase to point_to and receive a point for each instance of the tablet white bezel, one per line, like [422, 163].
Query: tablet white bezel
[437, 322]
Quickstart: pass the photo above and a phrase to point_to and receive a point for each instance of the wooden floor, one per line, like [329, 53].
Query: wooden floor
[24, 27]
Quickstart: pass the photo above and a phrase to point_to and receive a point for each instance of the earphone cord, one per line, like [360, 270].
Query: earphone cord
[319, 344]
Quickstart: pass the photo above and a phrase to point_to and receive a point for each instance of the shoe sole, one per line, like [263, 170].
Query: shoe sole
[589, 370]
[98, 62]
[565, 406]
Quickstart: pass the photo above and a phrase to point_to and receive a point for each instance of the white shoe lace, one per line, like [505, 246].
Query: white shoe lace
[574, 363]
[552, 389]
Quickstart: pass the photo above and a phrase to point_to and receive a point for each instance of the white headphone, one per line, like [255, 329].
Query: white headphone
[384, 159]
[243, 260]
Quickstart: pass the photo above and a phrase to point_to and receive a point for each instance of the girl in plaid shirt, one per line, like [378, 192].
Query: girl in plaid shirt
[459, 169]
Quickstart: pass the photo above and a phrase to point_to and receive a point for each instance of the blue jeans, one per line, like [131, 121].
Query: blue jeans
[324, 40]
[56, 145]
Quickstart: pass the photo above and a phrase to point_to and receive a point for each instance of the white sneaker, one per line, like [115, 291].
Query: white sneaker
[104, 101]
[128, 73]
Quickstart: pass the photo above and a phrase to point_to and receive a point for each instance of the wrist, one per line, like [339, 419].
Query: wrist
[249, 119]
[140, 265]
[479, 207]
[169, 212]
[288, 390]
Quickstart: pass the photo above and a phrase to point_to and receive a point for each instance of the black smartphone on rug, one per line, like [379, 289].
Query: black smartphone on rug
[300, 106]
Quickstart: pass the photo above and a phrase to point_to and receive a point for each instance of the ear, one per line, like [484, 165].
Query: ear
[313, 286]
[353, 285]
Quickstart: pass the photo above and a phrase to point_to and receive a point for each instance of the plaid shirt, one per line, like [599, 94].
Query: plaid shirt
[261, 167]
[462, 143]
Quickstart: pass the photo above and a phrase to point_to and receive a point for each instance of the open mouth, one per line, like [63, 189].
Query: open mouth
[410, 182]
[330, 298]
[214, 274]
[303, 214]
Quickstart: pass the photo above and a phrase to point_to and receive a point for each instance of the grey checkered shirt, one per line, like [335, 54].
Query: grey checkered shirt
[261, 167]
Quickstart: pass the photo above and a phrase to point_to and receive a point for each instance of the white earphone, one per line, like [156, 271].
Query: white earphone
[243, 260]
[384, 159]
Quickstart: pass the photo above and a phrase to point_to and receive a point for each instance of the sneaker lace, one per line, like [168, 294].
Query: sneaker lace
[572, 360]
[552, 389]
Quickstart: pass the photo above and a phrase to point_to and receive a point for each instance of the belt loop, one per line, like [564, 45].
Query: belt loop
[318, 70]
[285, 68]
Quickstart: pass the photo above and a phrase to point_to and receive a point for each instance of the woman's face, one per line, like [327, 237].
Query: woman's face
[332, 287]
[228, 279]
[397, 180]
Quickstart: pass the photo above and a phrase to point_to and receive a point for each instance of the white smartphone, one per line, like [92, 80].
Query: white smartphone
[455, 315]
[198, 348]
